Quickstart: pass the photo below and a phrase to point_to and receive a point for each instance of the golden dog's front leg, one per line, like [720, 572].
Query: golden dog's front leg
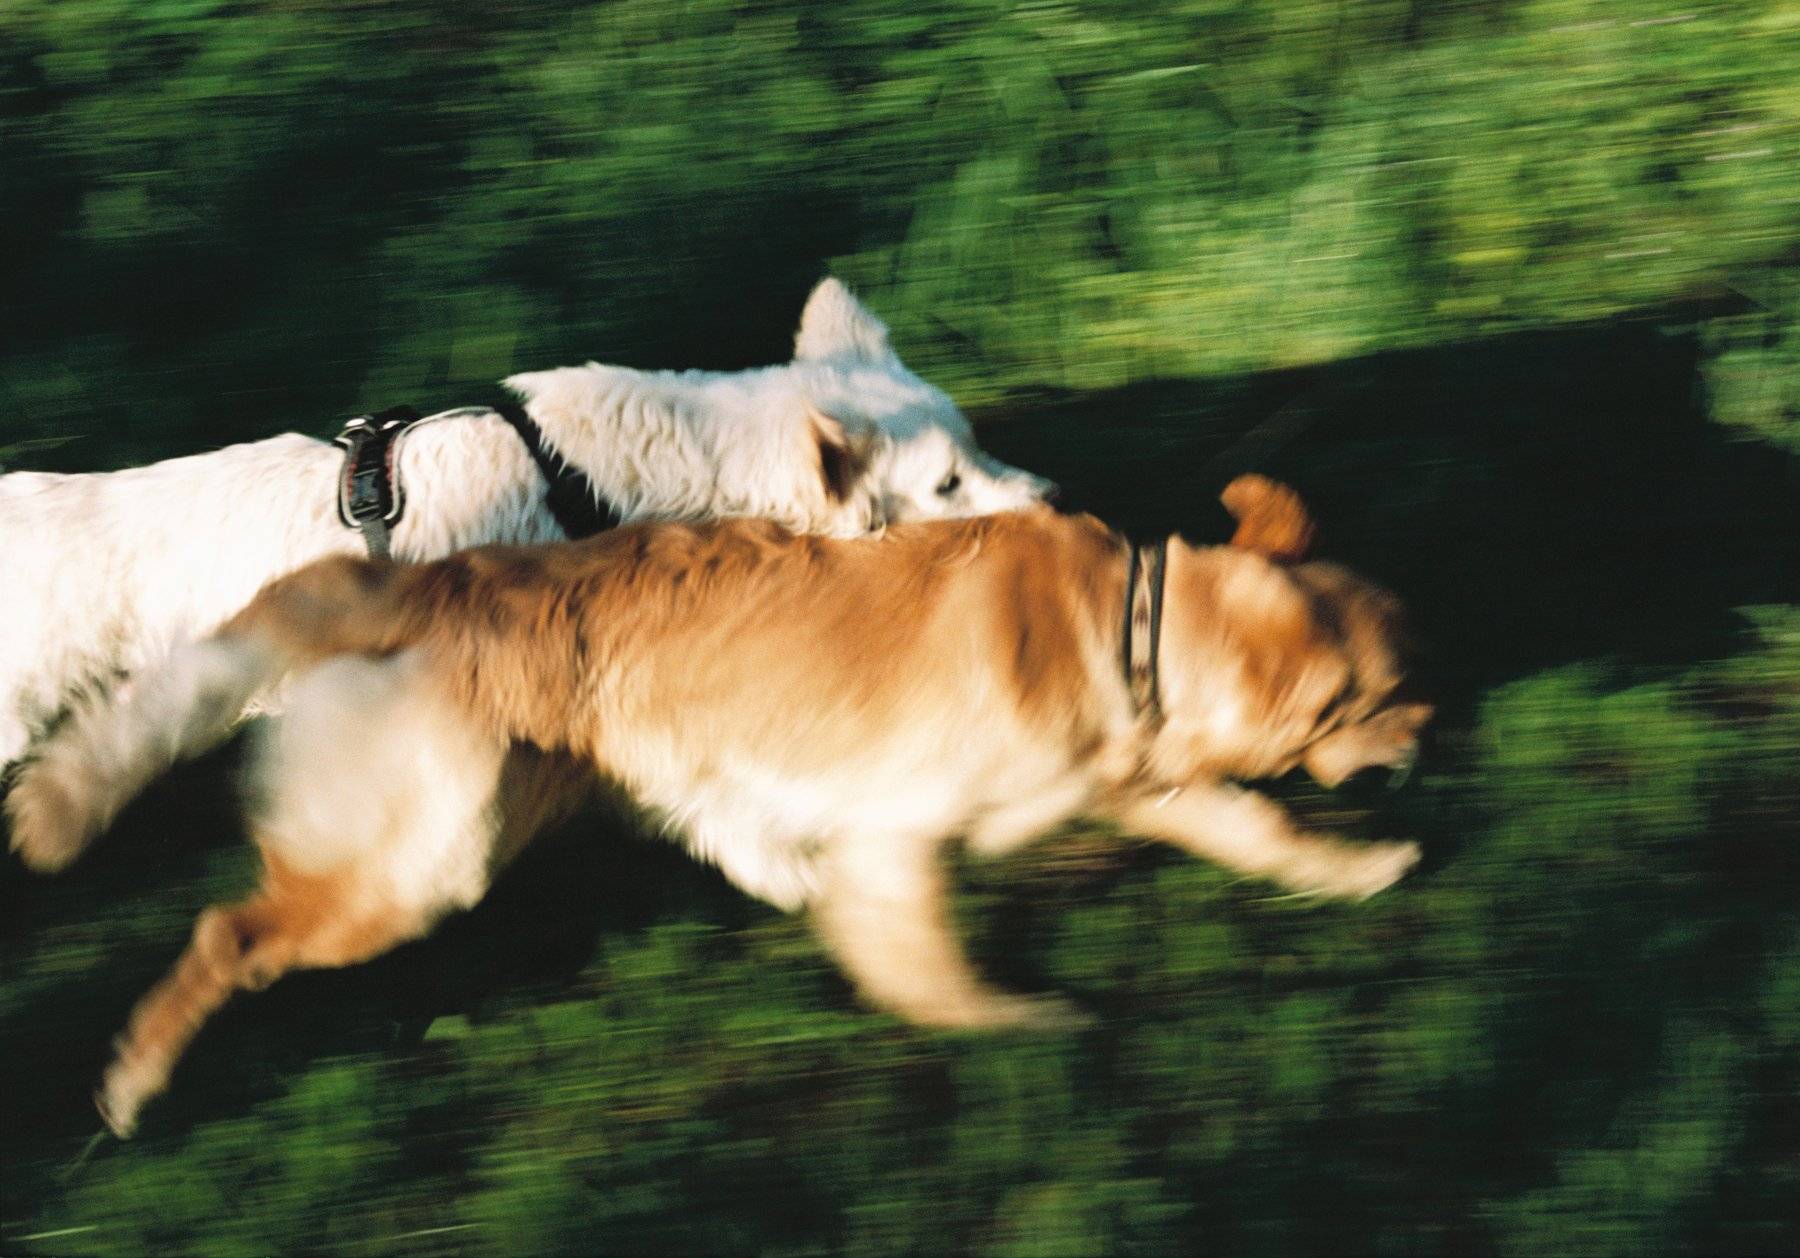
[884, 911]
[1254, 835]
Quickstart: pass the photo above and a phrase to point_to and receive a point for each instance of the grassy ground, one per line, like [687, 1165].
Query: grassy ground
[1577, 1030]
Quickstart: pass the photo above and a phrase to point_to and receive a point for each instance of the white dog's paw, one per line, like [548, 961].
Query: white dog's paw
[48, 827]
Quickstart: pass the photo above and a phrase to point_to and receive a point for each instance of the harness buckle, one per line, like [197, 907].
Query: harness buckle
[369, 492]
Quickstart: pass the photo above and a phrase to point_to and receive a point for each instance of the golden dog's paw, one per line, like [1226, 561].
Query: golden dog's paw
[1048, 1014]
[120, 1119]
[118, 1099]
[1000, 1011]
[46, 825]
[1375, 867]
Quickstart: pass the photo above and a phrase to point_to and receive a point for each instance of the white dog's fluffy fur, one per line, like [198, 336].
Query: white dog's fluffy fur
[104, 573]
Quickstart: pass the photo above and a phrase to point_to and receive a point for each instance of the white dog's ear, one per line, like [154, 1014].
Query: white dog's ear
[843, 456]
[836, 325]
[525, 384]
[560, 387]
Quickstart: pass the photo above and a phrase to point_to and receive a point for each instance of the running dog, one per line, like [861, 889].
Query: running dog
[104, 573]
[819, 718]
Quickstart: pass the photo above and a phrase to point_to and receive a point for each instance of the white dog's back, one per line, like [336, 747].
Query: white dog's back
[106, 572]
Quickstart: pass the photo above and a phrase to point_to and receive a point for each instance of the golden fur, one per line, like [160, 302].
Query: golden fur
[818, 717]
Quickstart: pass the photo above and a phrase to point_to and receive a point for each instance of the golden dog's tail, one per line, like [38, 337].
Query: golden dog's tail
[108, 752]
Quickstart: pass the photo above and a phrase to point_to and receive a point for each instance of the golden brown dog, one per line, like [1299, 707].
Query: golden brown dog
[817, 717]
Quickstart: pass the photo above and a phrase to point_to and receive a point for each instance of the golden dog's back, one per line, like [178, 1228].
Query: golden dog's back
[677, 623]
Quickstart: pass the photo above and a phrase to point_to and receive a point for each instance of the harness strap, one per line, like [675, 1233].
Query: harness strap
[1142, 636]
[370, 496]
[579, 509]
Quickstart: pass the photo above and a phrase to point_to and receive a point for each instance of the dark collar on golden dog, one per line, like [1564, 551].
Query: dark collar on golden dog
[1143, 624]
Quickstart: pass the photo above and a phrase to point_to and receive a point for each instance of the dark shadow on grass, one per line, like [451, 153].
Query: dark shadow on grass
[1536, 498]
[93, 939]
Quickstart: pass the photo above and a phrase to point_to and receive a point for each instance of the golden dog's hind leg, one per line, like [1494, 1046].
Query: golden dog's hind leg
[347, 873]
[537, 789]
[1254, 835]
[884, 912]
[293, 921]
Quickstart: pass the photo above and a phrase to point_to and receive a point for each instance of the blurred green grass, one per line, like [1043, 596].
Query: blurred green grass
[225, 216]
[1507, 290]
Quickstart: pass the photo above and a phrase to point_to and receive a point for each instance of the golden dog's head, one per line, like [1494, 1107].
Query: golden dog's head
[1270, 662]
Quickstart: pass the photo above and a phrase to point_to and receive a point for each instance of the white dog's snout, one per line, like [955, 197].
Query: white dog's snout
[1022, 488]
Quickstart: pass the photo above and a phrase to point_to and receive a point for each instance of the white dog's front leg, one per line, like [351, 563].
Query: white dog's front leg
[884, 911]
[1251, 833]
[14, 739]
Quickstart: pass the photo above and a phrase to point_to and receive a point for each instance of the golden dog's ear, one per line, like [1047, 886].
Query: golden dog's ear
[1271, 518]
[843, 458]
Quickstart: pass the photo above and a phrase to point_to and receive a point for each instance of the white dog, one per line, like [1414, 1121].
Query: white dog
[104, 573]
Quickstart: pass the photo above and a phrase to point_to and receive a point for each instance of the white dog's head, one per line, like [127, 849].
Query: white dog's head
[842, 440]
[892, 445]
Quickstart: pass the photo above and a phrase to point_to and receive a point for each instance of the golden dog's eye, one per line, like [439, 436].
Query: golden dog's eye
[949, 485]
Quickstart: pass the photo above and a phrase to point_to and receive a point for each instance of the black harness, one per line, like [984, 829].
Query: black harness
[578, 507]
[1142, 636]
[371, 497]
